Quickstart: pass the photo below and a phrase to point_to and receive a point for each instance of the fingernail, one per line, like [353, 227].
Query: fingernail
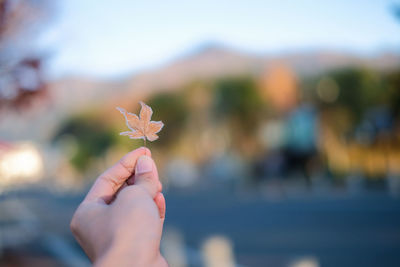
[144, 164]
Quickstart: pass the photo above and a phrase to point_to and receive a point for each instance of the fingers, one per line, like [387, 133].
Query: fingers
[146, 175]
[111, 180]
[160, 202]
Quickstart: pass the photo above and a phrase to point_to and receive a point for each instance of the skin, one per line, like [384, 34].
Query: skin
[119, 223]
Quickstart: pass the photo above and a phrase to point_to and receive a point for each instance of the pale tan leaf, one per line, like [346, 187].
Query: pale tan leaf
[154, 127]
[133, 134]
[132, 120]
[151, 137]
[145, 114]
[141, 127]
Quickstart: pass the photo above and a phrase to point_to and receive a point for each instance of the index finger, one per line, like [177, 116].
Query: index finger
[108, 183]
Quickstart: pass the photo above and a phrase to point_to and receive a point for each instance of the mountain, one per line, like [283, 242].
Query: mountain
[216, 61]
[208, 63]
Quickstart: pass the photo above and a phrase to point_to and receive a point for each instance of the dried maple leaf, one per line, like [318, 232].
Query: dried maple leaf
[141, 127]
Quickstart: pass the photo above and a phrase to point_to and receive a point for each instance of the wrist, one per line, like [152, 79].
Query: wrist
[125, 255]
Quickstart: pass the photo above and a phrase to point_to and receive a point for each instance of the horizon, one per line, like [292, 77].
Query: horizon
[204, 48]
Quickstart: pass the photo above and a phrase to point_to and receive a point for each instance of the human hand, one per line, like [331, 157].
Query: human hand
[119, 223]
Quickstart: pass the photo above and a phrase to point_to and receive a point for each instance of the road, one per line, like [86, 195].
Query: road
[337, 230]
[333, 229]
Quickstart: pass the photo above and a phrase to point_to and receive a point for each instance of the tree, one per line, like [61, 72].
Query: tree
[20, 69]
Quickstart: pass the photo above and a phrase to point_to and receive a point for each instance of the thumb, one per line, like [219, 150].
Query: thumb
[146, 175]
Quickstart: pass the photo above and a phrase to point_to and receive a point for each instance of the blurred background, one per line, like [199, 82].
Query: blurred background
[281, 144]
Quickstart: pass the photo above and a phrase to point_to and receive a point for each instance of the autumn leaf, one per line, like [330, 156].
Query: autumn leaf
[141, 127]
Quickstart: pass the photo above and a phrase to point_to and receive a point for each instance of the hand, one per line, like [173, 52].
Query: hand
[119, 223]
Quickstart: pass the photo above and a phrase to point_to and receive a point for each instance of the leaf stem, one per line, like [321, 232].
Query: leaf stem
[144, 141]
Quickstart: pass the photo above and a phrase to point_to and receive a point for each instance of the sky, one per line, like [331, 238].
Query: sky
[113, 38]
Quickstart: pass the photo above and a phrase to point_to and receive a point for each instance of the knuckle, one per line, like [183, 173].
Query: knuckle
[125, 165]
[160, 186]
[74, 225]
[110, 180]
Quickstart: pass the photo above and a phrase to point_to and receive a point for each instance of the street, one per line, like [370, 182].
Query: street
[334, 229]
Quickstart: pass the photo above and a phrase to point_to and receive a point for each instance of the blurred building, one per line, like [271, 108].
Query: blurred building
[20, 163]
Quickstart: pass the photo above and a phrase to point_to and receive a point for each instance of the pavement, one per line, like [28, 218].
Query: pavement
[330, 229]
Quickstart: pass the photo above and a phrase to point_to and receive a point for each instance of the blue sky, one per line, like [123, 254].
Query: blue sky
[112, 38]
